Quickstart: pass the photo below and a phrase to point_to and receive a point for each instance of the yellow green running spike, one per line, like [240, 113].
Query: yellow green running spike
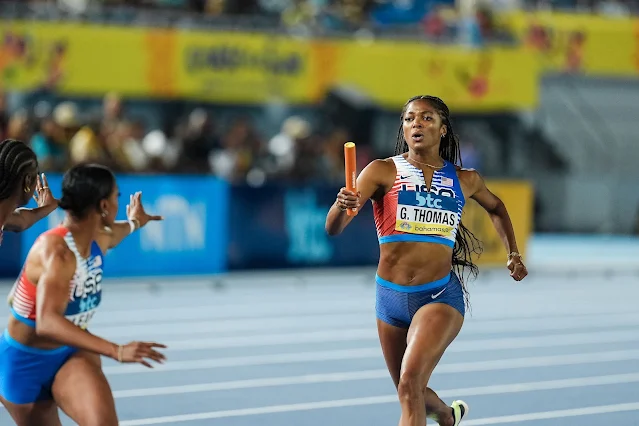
[460, 409]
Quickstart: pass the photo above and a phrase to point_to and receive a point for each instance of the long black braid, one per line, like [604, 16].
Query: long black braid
[17, 160]
[465, 242]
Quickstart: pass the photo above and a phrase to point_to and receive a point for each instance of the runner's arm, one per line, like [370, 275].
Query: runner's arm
[495, 208]
[23, 218]
[119, 231]
[371, 182]
[137, 218]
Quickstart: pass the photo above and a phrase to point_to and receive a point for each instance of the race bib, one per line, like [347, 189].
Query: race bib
[80, 311]
[82, 320]
[426, 213]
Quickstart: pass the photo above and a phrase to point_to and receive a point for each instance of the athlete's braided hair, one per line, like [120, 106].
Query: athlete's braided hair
[17, 160]
[466, 243]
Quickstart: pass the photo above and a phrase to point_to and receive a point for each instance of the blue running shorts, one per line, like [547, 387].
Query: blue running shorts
[26, 373]
[397, 304]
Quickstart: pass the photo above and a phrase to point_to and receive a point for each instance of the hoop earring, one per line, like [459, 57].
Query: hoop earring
[27, 189]
[104, 214]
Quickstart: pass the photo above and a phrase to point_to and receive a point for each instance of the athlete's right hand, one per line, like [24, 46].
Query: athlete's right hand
[347, 199]
[141, 351]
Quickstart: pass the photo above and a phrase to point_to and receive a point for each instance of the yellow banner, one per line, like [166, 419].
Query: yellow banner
[518, 198]
[244, 68]
[254, 68]
[76, 58]
[467, 79]
[585, 44]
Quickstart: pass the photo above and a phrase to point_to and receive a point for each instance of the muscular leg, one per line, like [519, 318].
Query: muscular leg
[41, 413]
[82, 391]
[433, 328]
[393, 341]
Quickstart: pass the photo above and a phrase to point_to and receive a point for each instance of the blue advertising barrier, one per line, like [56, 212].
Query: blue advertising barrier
[210, 227]
[10, 252]
[192, 238]
[283, 227]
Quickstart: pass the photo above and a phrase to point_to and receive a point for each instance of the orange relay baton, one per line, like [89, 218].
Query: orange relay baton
[350, 166]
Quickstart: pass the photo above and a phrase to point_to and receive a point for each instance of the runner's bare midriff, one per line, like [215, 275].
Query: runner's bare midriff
[414, 263]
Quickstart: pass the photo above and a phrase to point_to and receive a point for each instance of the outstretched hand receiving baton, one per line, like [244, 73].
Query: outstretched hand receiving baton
[135, 211]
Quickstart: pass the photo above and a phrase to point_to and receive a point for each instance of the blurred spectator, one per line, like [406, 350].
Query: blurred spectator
[85, 147]
[440, 23]
[613, 8]
[116, 144]
[239, 150]
[18, 126]
[112, 113]
[283, 149]
[399, 12]
[50, 143]
[137, 159]
[162, 153]
[198, 138]
[306, 168]
[332, 158]
[300, 16]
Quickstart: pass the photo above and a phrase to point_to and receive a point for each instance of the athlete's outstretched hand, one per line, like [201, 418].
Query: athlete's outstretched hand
[347, 199]
[141, 351]
[43, 195]
[517, 268]
[135, 210]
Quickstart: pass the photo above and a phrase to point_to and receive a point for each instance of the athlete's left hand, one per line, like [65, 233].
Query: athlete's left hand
[517, 268]
[43, 195]
[135, 210]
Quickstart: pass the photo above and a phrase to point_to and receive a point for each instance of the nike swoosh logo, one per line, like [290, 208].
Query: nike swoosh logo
[435, 296]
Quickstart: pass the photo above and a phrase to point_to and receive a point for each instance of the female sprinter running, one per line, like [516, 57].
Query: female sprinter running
[19, 182]
[48, 359]
[418, 196]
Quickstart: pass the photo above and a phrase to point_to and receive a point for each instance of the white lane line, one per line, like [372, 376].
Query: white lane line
[296, 306]
[250, 360]
[558, 414]
[283, 323]
[364, 334]
[371, 353]
[353, 376]
[354, 402]
[254, 383]
[541, 361]
[548, 324]
[317, 336]
[235, 325]
[263, 410]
